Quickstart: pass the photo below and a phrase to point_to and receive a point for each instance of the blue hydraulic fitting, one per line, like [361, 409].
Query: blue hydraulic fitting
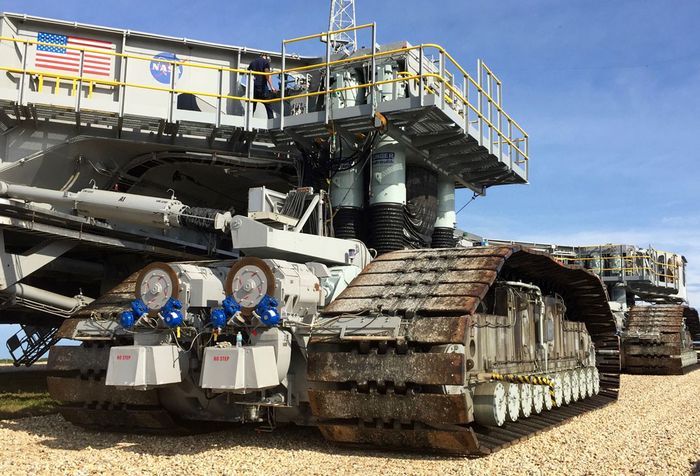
[231, 307]
[139, 308]
[267, 311]
[171, 313]
[172, 318]
[126, 319]
[218, 318]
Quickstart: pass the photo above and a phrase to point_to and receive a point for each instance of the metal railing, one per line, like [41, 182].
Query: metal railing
[644, 265]
[477, 102]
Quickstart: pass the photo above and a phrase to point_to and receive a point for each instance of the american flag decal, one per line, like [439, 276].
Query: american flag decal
[59, 58]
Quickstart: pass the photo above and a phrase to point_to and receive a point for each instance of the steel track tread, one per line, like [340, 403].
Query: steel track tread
[513, 432]
[77, 382]
[654, 341]
[352, 392]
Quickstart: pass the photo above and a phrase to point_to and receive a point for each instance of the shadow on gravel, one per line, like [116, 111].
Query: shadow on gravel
[59, 434]
[696, 469]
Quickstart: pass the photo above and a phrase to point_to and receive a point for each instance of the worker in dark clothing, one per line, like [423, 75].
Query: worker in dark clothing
[262, 84]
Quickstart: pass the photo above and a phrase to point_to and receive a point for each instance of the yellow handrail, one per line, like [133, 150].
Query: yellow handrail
[447, 84]
[327, 33]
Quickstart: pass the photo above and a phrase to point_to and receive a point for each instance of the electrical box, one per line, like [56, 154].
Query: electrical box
[144, 366]
[239, 369]
[262, 199]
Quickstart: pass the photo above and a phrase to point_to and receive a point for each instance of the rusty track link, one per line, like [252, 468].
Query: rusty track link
[77, 381]
[361, 397]
[656, 339]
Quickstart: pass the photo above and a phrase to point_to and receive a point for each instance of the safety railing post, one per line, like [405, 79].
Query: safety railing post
[171, 105]
[373, 88]
[480, 100]
[122, 85]
[327, 83]
[511, 151]
[283, 83]
[249, 102]
[420, 75]
[442, 79]
[465, 107]
[489, 116]
[500, 115]
[22, 79]
[219, 98]
[527, 157]
[79, 89]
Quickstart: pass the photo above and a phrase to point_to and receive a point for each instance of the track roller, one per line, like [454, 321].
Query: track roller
[566, 387]
[513, 402]
[490, 404]
[575, 386]
[539, 393]
[558, 390]
[525, 400]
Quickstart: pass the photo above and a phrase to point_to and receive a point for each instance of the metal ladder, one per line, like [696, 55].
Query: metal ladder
[30, 343]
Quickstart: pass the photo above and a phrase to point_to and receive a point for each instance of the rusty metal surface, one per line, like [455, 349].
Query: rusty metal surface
[77, 358]
[117, 419]
[423, 368]
[426, 280]
[438, 330]
[111, 303]
[460, 441]
[432, 408]
[67, 328]
[656, 337]
[77, 383]
[76, 389]
[438, 290]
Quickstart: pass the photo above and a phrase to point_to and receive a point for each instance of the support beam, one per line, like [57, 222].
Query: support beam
[397, 134]
[16, 267]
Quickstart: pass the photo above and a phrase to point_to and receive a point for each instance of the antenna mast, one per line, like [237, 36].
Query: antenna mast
[342, 17]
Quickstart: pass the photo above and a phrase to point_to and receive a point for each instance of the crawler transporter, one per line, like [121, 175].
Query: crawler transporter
[220, 267]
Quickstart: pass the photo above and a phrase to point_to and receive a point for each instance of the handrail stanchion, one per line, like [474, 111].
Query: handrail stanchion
[442, 79]
[173, 71]
[219, 100]
[22, 79]
[511, 152]
[480, 102]
[122, 86]
[249, 96]
[283, 83]
[490, 110]
[465, 107]
[500, 115]
[327, 82]
[527, 158]
[373, 88]
[80, 81]
[420, 75]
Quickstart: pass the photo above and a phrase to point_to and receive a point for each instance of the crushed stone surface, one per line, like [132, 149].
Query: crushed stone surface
[654, 428]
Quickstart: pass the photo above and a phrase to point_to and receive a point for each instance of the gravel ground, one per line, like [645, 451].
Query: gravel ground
[653, 429]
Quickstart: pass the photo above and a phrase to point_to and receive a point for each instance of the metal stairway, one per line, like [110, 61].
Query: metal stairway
[30, 343]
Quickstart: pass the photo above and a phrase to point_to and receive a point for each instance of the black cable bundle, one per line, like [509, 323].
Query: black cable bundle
[319, 166]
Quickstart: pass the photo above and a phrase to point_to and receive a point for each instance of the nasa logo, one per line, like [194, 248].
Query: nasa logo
[162, 71]
[221, 358]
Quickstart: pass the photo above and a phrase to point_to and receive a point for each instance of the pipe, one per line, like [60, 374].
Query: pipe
[446, 215]
[47, 298]
[36, 194]
[107, 205]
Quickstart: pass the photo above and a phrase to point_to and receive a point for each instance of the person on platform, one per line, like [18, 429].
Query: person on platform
[262, 84]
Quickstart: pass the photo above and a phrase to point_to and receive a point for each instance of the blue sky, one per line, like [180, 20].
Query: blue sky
[608, 91]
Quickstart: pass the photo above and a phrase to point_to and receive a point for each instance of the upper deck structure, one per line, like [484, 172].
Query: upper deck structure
[83, 88]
